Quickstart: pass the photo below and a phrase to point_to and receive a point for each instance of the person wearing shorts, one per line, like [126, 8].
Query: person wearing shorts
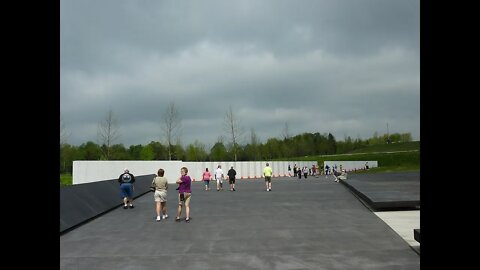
[231, 178]
[184, 194]
[219, 177]
[160, 195]
[267, 173]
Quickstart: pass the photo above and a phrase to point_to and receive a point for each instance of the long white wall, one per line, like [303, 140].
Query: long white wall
[351, 165]
[85, 171]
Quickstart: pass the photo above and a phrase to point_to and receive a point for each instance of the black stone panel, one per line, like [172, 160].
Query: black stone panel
[82, 202]
[416, 234]
[387, 191]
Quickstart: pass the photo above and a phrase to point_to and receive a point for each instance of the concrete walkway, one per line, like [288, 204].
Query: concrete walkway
[403, 223]
[301, 224]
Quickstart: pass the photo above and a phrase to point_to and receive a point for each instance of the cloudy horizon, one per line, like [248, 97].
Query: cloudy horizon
[349, 68]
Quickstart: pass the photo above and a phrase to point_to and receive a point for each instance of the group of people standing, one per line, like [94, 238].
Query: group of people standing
[160, 187]
[297, 171]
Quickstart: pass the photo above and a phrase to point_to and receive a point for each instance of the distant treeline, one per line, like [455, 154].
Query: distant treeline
[306, 144]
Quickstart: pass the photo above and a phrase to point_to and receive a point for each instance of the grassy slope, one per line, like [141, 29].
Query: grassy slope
[397, 157]
[65, 179]
[409, 146]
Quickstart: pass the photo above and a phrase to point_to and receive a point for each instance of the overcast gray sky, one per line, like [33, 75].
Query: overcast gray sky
[346, 67]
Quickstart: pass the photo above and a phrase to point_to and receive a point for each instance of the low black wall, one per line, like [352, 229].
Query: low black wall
[387, 191]
[416, 234]
[83, 202]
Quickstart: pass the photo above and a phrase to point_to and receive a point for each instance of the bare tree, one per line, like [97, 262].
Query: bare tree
[232, 127]
[286, 134]
[63, 133]
[107, 133]
[63, 141]
[254, 142]
[171, 127]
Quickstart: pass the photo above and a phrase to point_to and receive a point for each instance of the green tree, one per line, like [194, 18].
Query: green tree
[119, 152]
[178, 152]
[160, 151]
[218, 151]
[345, 146]
[148, 152]
[89, 151]
[196, 152]
[406, 137]
[134, 152]
[272, 149]
[332, 145]
[67, 155]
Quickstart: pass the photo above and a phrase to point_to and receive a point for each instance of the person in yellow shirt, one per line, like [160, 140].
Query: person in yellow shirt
[267, 173]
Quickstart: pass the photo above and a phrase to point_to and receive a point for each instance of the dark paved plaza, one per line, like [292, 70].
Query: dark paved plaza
[301, 224]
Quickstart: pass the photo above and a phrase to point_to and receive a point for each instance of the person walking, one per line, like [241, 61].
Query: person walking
[126, 180]
[231, 178]
[207, 176]
[219, 177]
[184, 194]
[160, 183]
[267, 173]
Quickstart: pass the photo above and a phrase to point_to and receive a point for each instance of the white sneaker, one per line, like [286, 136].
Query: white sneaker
[158, 218]
[165, 216]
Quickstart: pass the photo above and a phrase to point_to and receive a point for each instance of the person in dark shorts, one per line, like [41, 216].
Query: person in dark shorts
[126, 180]
[267, 173]
[184, 194]
[231, 178]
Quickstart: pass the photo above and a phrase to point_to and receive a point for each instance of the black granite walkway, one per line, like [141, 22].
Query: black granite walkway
[301, 224]
[387, 191]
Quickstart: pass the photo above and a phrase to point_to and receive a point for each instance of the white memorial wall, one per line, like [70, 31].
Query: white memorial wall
[350, 165]
[85, 171]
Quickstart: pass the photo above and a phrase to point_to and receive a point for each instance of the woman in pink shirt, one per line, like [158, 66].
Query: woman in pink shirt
[207, 176]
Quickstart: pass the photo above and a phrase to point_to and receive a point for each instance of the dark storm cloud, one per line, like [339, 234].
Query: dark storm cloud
[345, 67]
